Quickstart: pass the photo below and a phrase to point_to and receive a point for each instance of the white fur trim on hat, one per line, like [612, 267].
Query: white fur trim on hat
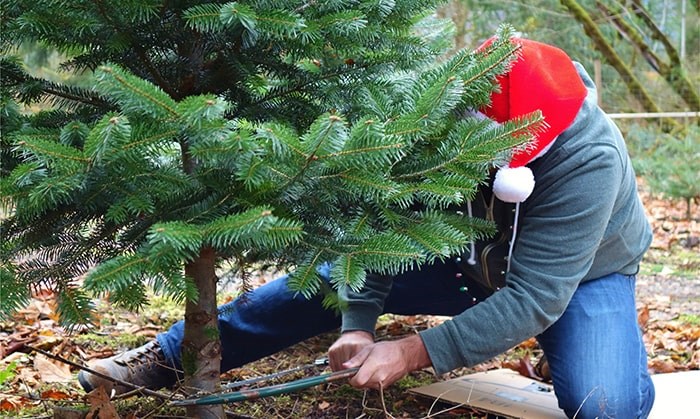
[513, 184]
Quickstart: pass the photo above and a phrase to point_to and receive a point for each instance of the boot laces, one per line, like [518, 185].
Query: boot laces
[147, 356]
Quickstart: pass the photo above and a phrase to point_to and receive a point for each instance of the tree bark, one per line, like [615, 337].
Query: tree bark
[458, 12]
[672, 71]
[201, 346]
[604, 47]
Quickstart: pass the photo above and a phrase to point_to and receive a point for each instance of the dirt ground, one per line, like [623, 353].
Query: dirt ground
[33, 385]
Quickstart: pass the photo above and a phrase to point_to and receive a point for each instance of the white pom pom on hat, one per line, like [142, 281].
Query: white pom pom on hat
[543, 78]
[513, 184]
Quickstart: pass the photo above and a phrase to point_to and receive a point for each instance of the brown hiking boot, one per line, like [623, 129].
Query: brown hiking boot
[144, 366]
[542, 369]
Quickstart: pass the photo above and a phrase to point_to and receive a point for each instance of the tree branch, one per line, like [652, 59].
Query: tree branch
[106, 377]
[140, 52]
[671, 71]
[596, 35]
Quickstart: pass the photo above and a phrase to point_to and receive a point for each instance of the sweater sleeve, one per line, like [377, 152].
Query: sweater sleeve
[564, 223]
[361, 309]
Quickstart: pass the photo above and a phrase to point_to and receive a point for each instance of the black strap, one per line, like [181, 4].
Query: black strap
[484, 272]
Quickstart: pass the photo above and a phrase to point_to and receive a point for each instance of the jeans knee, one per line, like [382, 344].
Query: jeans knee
[599, 403]
[584, 405]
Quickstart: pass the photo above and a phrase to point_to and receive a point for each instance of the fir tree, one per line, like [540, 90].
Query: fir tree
[658, 165]
[290, 131]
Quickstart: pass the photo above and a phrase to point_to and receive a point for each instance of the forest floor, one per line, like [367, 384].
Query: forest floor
[34, 385]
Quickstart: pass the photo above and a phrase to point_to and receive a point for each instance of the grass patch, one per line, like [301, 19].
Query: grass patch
[650, 269]
[691, 319]
[414, 380]
[116, 341]
[688, 262]
[7, 374]
[164, 310]
[678, 261]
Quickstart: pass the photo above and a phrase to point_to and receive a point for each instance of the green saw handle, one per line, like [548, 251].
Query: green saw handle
[277, 389]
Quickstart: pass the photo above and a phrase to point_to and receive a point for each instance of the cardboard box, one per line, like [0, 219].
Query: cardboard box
[501, 392]
[506, 393]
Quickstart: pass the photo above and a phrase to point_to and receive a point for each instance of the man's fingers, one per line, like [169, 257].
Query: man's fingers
[346, 347]
[372, 374]
[335, 364]
[381, 365]
[371, 378]
[358, 359]
[337, 354]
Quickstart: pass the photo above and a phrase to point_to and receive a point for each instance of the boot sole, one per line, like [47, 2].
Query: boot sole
[84, 382]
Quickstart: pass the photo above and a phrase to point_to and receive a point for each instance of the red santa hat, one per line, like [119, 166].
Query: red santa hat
[542, 78]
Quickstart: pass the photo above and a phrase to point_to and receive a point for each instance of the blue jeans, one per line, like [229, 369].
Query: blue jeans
[595, 351]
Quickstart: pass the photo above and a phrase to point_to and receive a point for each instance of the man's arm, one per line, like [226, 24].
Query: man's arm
[362, 308]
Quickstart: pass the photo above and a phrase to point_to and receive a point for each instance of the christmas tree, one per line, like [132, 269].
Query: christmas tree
[297, 132]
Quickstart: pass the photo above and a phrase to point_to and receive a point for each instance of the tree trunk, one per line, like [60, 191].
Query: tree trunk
[602, 45]
[458, 12]
[201, 346]
[672, 71]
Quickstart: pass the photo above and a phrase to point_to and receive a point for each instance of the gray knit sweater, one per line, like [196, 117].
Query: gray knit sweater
[584, 220]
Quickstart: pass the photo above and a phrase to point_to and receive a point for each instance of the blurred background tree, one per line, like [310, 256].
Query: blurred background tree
[658, 41]
[670, 164]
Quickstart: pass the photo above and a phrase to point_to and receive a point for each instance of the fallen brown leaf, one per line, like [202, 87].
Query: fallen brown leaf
[529, 344]
[526, 369]
[54, 395]
[10, 402]
[100, 405]
[28, 376]
[15, 342]
[695, 360]
[52, 371]
[643, 317]
[660, 366]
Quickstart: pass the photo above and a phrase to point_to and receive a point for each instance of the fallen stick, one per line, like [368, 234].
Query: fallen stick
[140, 389]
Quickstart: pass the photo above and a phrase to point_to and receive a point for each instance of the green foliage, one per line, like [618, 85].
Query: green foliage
[671, 166]
[692, 319]
[8, 373]
[412, 381]
[212, 332]
[13, 291]
[266, 131]
[188, 361]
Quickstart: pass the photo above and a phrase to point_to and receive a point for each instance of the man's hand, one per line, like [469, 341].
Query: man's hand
[347, 346]
[382, 364]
